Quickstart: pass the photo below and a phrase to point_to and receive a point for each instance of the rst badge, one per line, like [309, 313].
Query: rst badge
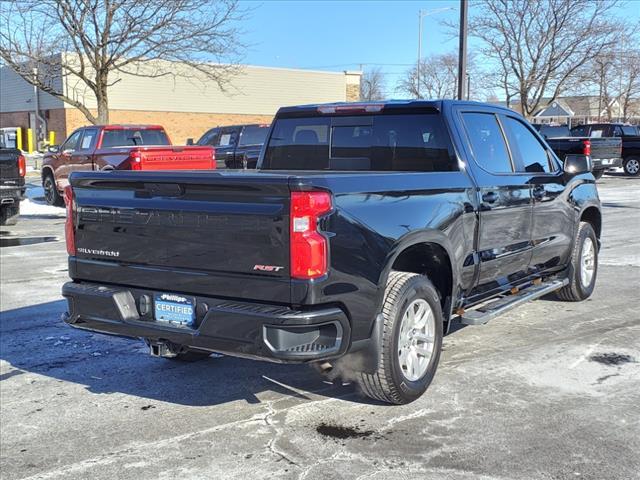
[267, 268]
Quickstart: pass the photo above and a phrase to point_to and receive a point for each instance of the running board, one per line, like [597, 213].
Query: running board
[487, 312]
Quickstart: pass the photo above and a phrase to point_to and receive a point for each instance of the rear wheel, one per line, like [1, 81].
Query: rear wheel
[584, 266]
[9, 214]
[411, 340]
[631, 166]
[51, 194]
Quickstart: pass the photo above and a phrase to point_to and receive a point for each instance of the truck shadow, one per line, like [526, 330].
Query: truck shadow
[34, 339]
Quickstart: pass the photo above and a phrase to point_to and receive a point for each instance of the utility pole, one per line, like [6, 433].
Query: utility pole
[421, 15]
[462, 51]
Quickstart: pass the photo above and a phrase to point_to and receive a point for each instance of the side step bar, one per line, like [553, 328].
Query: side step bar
[489, 311]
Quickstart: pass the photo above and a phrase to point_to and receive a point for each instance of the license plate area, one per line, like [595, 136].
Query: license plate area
[173, 309]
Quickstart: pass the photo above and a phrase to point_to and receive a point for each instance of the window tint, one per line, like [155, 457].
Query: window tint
[549, 131]
[72, 141]
[210, 138]
[488, 144]
[579, 131]
[532, 155]
[254, 135]
[89, 139]
[132, 137]
[629, 131]
[418, 143]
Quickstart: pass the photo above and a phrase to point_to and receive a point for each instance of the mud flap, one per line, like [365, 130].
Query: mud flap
[364, 354]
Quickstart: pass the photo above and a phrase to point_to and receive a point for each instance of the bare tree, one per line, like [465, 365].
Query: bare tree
[437, 78]
[372, 85]
[91, 43]
[537, 46]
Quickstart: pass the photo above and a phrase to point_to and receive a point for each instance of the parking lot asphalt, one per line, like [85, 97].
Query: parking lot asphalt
[548, 391]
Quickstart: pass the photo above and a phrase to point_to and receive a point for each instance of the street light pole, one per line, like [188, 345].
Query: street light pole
[462, 52]
[421, 15]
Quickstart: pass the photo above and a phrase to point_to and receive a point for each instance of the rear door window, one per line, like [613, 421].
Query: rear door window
[89, 139]
[254, 135]
[404, 142]
[532, 156]
[487, 142]
[629, 131]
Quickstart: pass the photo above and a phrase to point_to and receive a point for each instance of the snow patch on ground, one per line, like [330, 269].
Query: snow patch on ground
[35, 204]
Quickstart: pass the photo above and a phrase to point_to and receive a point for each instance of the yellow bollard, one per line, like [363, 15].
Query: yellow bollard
[29, 140]
[19, 138]
[52, 137]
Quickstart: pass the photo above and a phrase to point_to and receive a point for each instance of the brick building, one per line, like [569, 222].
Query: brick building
[186, 107]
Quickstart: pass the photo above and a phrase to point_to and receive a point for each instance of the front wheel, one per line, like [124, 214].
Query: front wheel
[411, 340]
[51, 194]
[631, 166]
[583, 268]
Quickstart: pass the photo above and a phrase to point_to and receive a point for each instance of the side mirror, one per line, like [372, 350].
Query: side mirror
[189, 141]
[577, 164]
[53, 148]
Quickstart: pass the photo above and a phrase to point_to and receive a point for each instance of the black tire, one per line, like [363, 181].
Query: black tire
[190, 356]
[51, 194]
[598, 174]
[576, 291]
[388, 383]
[9, 214]
[631, 166]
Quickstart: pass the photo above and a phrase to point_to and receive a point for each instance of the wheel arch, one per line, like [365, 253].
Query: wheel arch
[424, 252]
[592, 215]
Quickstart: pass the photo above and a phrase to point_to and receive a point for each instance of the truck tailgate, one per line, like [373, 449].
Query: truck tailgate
[199, 233]
[175, 158]
[606, 147]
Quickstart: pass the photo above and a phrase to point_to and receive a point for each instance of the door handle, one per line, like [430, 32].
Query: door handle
[489, 197]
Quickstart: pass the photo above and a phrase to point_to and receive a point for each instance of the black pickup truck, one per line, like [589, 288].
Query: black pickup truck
[628, 134]
[605, 152]
[237, 146]
[366, 230]
[12, 171]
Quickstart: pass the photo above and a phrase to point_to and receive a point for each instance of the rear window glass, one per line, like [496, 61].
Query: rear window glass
[254, 135]
[133, 137]
[410, 142]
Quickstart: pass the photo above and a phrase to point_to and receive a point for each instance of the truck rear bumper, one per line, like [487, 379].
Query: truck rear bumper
[260, 331]
[603, 163]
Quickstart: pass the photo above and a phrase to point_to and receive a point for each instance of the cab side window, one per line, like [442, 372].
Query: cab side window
[531, 156]
[487, 142]
[210, 138]
[72, 142]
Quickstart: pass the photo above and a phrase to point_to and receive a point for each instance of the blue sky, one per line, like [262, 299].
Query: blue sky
[341, 35]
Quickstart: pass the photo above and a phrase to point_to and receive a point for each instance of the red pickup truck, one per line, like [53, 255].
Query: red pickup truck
[118, 147]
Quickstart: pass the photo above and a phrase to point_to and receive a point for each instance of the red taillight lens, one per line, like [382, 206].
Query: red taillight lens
[69, 224]
[586, 147]
[308, 246]
[22, 166]
[213, 158]
[136, 160]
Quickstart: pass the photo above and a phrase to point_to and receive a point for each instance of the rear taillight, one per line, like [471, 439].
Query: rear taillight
[586, 147]
[213, 158]
[308, 246]
[136, 160]
[69, 224]
[22, 166]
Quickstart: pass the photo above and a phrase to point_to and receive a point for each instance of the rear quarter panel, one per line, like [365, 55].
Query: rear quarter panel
[375, 217]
